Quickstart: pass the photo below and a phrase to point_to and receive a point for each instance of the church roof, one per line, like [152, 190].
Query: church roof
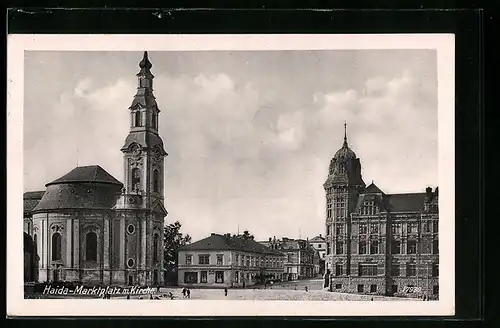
[79, 196]
[218, 242]
[30, 200]
[145, 139]
[92, 173]
[405, 202]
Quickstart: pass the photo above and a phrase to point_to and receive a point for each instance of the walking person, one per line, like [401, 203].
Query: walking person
[225, 291]
[188, 291]
[184, 292]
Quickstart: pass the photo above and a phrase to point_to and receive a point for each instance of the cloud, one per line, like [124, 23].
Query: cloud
[241, 152]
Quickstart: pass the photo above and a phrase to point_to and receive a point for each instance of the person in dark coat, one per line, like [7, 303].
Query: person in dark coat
[184, 292]
[225, 291]
[188, 293]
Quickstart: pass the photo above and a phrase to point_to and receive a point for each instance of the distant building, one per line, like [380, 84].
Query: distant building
[378, 243]
[319, 244]
[89, 227]
[299, 256]
[228, 261]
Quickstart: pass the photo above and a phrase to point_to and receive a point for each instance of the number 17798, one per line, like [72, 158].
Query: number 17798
[411, 290]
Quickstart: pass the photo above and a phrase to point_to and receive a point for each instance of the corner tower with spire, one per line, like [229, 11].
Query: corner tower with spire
[141, 205]
[342, 187]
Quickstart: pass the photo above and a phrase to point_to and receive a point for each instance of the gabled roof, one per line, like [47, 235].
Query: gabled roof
[217, 242]
[373, 189]
[30, 200]
[404, 202]
[92, 173]
[317, 239]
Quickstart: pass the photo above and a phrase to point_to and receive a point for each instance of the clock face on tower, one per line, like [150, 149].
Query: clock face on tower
[136, 149]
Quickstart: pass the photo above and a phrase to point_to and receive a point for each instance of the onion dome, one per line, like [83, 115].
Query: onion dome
[345, 153]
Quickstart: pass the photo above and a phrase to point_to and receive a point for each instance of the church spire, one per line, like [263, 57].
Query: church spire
[345, 135]
[145, 65]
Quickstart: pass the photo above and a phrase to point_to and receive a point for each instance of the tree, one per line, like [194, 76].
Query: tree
[173, 240]
[246, 235]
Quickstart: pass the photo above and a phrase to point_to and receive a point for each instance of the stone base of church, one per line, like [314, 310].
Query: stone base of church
[119, 277]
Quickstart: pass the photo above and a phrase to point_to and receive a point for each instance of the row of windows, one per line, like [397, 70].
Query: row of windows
[411, 247]
[91, 246]
[396, 228]
[138, 120]
[394, 288]
[412, 227]
[242, 260]
[136, 180]
[372, 247]
[371, 269]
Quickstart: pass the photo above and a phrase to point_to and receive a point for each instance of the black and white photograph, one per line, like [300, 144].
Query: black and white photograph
[249, 174]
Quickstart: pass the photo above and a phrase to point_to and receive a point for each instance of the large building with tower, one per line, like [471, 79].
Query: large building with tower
[89, 227]
[378, 243]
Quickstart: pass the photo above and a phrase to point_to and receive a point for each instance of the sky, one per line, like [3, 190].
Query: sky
[249, 134]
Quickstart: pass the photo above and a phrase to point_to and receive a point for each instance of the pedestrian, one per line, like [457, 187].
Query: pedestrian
[184, 292]
[225, 291]
[188, 291]
[372, 299]
[306, 288]
[425, 298]
[171, 295]
[128, 296]
[243, 284]
[150, 296]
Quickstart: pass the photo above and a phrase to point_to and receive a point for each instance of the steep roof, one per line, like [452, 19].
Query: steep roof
[92, 173]
[405, 202]
[30, 200]
[222, 242]
[373, 189]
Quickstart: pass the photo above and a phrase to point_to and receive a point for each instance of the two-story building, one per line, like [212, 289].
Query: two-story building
[227, 261]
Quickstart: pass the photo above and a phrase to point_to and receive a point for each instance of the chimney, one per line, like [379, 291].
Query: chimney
[212, 234]
[320, 235]
[428, 193]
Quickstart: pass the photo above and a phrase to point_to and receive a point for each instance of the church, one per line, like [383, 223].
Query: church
[378, 243]
[89, 227]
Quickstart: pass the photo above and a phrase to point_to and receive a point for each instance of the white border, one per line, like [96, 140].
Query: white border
[17, 44]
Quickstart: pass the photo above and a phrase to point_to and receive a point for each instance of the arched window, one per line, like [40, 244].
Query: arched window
[156, 244]
[136, 179]
[138, 118]
[56, 247]
[156, 181]
[155, 121]
[91, 246]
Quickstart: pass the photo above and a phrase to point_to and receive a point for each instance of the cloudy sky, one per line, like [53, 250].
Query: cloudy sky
[249, 134]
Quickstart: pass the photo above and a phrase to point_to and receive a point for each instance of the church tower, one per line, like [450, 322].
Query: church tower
[342, 187]
[141, 204]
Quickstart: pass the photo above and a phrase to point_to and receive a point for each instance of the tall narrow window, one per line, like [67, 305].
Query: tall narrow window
[35, 240]
[138, 118]
[156, 241]
[155, 121]
[56, 247]
[156, 182]
[136, 179]
[91, 246]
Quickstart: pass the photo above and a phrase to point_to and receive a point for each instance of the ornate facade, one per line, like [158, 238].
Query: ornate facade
[378, 243]
[91, 228]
